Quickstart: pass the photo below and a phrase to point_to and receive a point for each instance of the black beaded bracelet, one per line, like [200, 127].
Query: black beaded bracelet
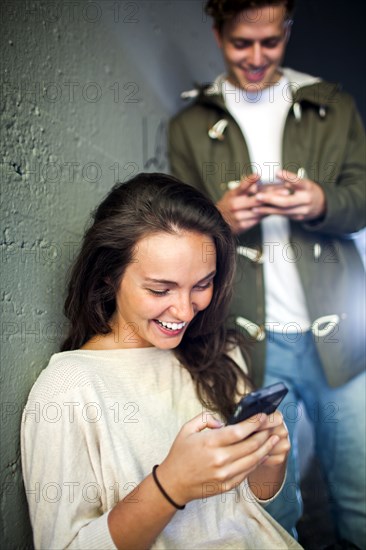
[177, 506]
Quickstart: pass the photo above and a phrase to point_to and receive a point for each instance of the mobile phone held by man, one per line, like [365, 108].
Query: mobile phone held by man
[264, 400]
[276, 183]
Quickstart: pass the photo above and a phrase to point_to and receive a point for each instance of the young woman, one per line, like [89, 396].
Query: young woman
[126, 426]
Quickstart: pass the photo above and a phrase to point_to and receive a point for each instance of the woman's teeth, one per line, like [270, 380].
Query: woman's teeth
[172, 326]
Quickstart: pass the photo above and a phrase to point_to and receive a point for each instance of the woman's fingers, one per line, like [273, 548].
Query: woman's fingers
[237, 432]
[205, 451]
[245, 462]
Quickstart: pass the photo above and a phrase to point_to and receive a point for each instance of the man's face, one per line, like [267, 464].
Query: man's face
[253, 45]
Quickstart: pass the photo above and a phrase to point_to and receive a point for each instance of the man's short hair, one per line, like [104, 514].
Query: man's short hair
[224, 10]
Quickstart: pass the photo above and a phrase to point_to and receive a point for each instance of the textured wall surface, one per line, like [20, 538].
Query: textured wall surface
[86, 94]
[87, 88]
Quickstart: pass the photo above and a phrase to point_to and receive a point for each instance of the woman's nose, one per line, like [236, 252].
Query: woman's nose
[183, 308]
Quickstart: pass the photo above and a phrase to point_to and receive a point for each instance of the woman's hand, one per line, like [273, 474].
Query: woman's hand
[207, 454]
[206, 458]
[267, 479]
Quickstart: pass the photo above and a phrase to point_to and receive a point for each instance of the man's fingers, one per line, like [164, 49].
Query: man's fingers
[298, 213]
[246, 184]
[243, 202]
[290, 177]
[280, 200]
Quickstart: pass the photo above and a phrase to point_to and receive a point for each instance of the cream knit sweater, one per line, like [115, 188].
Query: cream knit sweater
[94, 425]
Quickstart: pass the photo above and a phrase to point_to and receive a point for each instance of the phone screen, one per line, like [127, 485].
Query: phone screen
[270, 185]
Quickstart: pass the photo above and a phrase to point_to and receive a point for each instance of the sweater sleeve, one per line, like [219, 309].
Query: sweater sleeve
[60, 451]
[251, 497]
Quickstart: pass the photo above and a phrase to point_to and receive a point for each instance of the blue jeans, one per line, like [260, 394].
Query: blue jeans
[337, 416]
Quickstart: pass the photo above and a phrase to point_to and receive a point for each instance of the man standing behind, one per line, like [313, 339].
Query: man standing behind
[283, 155]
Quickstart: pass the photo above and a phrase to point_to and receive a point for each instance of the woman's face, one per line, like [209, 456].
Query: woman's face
[168, 282]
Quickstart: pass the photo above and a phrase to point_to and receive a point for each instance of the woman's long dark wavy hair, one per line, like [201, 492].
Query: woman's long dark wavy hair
[147, 204]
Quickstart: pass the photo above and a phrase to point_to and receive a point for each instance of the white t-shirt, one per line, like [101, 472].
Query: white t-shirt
[261, 116]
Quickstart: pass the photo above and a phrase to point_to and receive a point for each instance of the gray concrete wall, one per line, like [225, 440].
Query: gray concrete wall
[87, 88]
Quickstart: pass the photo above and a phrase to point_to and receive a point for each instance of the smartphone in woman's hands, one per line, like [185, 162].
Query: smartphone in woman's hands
[264, 400]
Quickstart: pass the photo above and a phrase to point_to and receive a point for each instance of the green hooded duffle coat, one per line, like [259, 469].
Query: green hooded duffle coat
[324, 139]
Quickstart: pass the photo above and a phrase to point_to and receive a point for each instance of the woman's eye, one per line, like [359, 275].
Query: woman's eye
[206, 285]
[158, 292]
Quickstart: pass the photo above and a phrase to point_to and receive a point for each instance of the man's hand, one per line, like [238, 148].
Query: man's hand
[237, 205]
[300, 199]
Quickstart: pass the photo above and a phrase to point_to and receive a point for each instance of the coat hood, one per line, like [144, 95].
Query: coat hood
[303, 88]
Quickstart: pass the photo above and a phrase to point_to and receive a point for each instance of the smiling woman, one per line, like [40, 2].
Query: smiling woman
[147, 303]
[161, 294]
[154, 252]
